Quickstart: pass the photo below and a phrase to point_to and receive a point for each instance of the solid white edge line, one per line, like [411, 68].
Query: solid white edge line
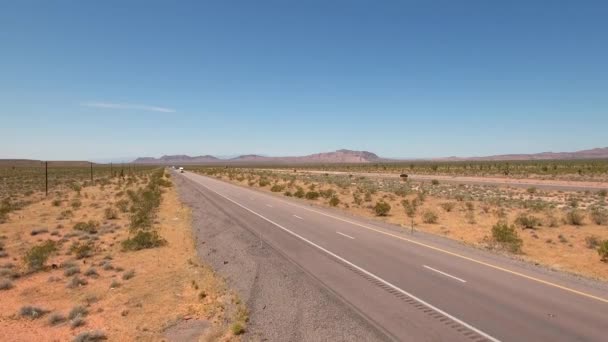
[296, 216]
[489, 337]
[445, 274]
[348, 236]
[268, 205]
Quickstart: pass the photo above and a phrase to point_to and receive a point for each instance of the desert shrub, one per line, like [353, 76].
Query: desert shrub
[382, 208]
[56, 318]
[123, 205]
[312, 195]
[299, 193]
[447, 206]
[592, 242]
[357, 199]
[367, 197]
[70, 271]
[39, 231]
[603, 250]
[128, 275]
[91, 272]
[327, 193]
[602, 193]
[75, 282]
[334, 201]
[263, 182]
[143, 240]
[469, 206]
[429, 216]
[32, 312]
[66, 214]
[470, 217]
[115, 284]
[90, 336]
[531, 190]
[82, 250]
[237, 328]
[599, 216]
[5, 284]
[110, 214]
[37, 256]
[77, 322]
[435, 182]
[506, 236]
[277, 188]
[87, 227]
[76, 203]
[575, 217]
[56, 202]
[288, 194]
[78, 311]
[526, 221]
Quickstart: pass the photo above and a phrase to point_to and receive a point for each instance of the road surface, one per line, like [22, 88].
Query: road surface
[418, 287]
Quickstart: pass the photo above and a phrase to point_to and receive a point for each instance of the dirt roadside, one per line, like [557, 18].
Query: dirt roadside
[285, 303]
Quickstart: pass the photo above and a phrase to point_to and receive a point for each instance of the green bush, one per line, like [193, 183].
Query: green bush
[82, 250]
[327, 193]
[288, 194]
[603, 250]
[87, 227]
[299, 193]
[382, 208]
[263, 182]
[448, 206]
[507, 237]
[37, 256]
[143, 240]
[435, 182]
[429, 216]
[312, 195]
[277, 188]
[526, 221]
[599, 216]
[334, 201]
[110, 214]
[575, 217]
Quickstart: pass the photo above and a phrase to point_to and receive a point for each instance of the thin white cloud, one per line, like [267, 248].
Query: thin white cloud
[127, 106]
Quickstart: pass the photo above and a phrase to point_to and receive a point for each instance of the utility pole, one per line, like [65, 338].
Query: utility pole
[91, 172]
[111, 172]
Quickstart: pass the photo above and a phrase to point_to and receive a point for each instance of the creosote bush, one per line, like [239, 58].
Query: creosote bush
[603, 250]
[334, 201]
[32, 312]
[575, 217]
[87, 227]
[37, 256]
[526, 221]
[312, 195]
[429, 216]
[143, 240]
[506, 236]
[382, 208]
[447, 206]
[599, 216]
[277, 188]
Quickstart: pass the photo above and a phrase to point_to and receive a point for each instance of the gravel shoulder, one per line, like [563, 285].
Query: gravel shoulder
[285, 302]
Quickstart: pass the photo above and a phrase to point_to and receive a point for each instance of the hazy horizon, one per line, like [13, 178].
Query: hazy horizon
[100, 81]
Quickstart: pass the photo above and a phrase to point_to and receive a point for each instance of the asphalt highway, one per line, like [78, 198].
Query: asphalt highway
[416, 288]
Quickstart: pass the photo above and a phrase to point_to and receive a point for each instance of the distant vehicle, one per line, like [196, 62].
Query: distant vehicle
[403, 176]
[181, 169]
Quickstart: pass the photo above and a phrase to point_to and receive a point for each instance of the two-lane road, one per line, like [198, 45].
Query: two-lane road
[413, 287]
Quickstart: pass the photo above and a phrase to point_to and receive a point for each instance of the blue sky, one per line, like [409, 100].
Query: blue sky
[113, 79]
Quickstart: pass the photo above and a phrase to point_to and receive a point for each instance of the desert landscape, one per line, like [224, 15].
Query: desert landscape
[109, 259]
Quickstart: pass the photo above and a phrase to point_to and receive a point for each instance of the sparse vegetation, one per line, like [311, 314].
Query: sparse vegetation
[143, 240]
[32, 312]
[90, 336]
[575, 217]
[37, 256]
[382, 208]
[429, 216]
[506, 236]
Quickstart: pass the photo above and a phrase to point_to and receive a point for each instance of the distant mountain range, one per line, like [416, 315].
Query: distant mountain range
[340, 156]
[355, 157]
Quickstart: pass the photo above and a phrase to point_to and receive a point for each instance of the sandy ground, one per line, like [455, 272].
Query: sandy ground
[563, 247]
[169, 286]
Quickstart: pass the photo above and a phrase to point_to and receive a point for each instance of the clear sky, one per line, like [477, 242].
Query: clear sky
[113, 79]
